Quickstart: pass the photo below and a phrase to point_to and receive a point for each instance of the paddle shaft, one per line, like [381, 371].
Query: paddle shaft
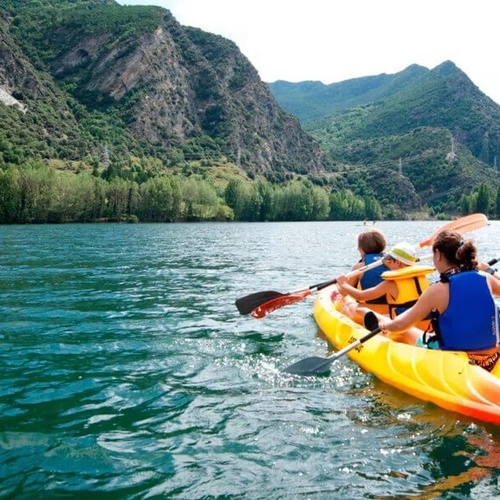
[352, 274]
[316, 365]
[355, 344]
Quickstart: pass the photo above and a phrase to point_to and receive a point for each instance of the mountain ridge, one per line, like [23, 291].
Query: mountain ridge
[126, 92]
[166, 84]
[457, 125]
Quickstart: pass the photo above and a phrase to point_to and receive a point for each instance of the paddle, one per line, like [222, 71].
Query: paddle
[462, 225]
[260, 304]
[316, 365]
[490, 269]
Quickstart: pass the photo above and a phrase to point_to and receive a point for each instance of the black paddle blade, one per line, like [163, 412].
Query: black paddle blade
[370, 320]
[316, 366]
[310, 366]
[250, 302]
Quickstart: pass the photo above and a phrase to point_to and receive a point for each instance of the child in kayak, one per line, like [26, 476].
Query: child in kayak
[401, 285]
[465, 315]
[371, 246]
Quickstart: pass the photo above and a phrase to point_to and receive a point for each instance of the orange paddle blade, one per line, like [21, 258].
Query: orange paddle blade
[462, 225]
[272, 305]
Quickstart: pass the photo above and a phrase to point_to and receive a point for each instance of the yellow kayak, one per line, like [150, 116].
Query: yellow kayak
[445, 378]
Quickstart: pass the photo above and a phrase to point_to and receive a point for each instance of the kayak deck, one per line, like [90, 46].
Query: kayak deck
[445, 378]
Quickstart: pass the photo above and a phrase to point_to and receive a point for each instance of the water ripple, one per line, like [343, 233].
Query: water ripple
[128, 373]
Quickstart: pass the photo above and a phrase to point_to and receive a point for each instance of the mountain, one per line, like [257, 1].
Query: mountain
[79, 77]
[126, 93]
[416, 138]
[312, 100]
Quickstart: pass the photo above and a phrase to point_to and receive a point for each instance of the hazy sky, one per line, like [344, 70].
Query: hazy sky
[332, 40]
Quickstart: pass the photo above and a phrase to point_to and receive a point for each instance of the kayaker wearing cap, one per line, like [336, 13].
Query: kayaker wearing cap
[462, 303]
[401, 285]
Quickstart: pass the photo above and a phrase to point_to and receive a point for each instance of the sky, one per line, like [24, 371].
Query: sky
[336, 40]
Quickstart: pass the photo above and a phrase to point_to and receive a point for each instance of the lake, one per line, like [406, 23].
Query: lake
[127, 372]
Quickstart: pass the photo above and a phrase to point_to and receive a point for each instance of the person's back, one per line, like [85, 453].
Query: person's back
[462, 303]
[371, 246]
[400, 286]
[470, 320]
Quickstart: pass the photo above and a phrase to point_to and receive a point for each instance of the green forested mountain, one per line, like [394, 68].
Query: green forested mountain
[129, 96]
[418, 138]
[139, 83]
[312, 100]
[113, 112]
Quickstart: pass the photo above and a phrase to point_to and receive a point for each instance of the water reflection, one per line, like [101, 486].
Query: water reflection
[126, 372]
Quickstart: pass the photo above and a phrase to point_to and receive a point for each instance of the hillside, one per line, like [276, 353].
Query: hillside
[132, 81]
[311, 100]
[114, 112]
[424, 136]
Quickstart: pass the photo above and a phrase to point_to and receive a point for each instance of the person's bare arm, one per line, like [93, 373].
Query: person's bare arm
[494, 283]
[432, 298]
[369, 294]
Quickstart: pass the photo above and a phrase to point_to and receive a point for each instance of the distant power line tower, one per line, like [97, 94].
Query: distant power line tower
[105, 157]
[451, 155]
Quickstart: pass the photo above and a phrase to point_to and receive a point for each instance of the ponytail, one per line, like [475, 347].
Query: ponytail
[459, 252]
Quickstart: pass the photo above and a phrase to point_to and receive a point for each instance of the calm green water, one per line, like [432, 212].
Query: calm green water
[127, 372]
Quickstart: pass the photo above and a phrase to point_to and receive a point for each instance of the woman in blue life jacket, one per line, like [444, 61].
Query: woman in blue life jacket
[462, 304]
[371, 246]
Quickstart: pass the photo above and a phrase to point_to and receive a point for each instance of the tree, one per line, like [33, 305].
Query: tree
[484, 199]
[497, 204]
[10, 195]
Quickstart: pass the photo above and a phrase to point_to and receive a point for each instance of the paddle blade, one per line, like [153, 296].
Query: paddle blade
[310, 366]
[285, 300]
[462, 225]
[469, 223]
[248, 303]
[316, 366]
[370, 320]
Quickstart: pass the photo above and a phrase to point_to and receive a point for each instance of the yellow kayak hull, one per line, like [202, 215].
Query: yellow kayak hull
[444, 378]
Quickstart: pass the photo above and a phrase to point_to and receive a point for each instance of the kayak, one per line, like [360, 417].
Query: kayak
[445, 378]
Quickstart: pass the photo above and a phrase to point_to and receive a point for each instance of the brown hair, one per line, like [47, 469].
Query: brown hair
[371, 241]
[461, 253]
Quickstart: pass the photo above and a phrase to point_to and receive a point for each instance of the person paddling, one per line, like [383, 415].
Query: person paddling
[465, 315]
[400, 286]
[371, 247]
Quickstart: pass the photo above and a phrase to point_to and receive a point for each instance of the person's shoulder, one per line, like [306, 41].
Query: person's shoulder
[437, 290]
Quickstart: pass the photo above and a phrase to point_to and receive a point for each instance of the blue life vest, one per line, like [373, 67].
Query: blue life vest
[373, 277]
[470, 322]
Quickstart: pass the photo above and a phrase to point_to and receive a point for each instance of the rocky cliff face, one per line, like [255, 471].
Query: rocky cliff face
[168, 83]
[35, 116]
[16, 74]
